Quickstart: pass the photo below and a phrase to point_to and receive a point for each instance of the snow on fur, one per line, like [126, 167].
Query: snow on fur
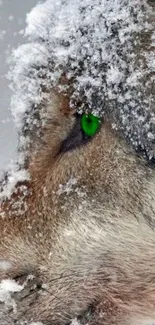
[14, 174]
[90, 44]
[7, 287]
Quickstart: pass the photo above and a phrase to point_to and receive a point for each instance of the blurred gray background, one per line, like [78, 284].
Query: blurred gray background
[12, 24]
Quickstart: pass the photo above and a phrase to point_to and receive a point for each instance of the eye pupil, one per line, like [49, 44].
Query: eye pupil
[90, 124]
[89, 120]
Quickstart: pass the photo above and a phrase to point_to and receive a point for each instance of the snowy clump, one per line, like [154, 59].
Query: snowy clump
[7, 287]
[90, 48]
[75, 322]
[14, 174]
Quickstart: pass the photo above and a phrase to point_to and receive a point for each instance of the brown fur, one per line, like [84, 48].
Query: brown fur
[93, 248]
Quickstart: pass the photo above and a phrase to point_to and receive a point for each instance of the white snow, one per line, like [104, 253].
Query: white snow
[11, 18]
[75, 322]
[14, 175]
[2, 34]
[7, 287]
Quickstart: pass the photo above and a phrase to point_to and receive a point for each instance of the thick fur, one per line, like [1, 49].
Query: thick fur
[91, 250]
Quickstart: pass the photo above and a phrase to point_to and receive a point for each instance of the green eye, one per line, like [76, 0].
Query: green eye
[90, 124]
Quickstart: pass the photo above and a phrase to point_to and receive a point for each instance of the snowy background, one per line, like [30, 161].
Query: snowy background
[12, 23]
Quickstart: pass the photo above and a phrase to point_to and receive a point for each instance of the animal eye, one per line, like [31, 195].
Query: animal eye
[90, 124]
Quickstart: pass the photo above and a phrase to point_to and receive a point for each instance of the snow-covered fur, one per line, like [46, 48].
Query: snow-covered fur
[101, 52]
[78, 235]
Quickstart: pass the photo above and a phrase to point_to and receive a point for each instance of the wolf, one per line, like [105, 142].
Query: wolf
[80, 233]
